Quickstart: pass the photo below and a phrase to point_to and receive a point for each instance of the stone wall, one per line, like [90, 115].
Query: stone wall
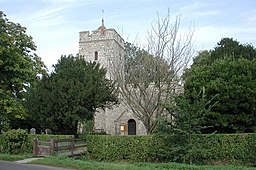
[112, 119]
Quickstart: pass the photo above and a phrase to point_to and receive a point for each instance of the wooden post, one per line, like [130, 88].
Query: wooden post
[35, 147]
[72, 146]
[52, 147]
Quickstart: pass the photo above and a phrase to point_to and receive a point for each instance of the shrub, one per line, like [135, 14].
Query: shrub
[129, 148]
[203, 149]
[15, 141]
[8, 141]
[1, 143]
[47, 137]
[224, 148]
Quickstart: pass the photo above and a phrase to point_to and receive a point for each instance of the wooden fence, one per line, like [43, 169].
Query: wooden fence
[66, 147]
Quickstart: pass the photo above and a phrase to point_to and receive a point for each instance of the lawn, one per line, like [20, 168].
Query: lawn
[93, 165]
[8, 157]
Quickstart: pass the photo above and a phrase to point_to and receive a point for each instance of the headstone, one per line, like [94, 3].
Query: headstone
[32, 131]
[48, 131]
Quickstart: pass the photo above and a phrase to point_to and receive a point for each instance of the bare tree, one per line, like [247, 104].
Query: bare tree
[152, 76]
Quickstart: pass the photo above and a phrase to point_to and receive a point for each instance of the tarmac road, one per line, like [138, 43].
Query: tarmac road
[5, 165]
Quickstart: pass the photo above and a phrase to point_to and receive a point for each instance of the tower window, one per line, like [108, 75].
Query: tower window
[96, 55]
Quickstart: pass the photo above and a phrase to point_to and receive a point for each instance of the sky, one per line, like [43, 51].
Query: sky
[55, 24]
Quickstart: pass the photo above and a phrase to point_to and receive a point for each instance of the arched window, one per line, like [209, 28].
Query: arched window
[131, 127]
[96, 55]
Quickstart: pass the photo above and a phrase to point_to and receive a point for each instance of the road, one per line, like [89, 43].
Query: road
[5, 165]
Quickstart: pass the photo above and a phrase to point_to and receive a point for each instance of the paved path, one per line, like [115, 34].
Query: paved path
[24, 161]
[5, 165]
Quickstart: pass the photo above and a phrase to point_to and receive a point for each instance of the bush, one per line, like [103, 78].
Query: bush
[203, 149]
[48, 137]
[15, 141]
[224, 148]
[1, 143]
[8, 144]
[129, 148]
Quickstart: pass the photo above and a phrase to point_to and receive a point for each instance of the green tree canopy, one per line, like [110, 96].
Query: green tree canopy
[19, 68]
[229, 74]
[226, 48]
[71, 93]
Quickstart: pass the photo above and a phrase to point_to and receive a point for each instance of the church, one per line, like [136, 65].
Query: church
[106, 46]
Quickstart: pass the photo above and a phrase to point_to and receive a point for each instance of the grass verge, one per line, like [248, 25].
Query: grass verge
[8, 157]
[93, 165]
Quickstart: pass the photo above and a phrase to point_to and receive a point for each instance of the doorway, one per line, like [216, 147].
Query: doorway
[131, 127]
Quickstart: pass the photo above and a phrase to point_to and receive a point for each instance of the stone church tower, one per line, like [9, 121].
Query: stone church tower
[106, 46]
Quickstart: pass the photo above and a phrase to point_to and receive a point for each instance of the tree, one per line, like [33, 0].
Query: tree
[154, 77]
[72, 93]
[19, 68]
[231, 76]
[226, 48]
[187, 119]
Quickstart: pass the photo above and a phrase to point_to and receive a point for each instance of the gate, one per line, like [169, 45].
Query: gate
[66, 147]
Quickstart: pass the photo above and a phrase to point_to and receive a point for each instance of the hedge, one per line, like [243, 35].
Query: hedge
[117, 148]
[224, 148]
[203, 149]
[7, 146]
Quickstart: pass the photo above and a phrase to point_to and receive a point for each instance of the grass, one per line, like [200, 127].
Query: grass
[8, 157]
[93, 165]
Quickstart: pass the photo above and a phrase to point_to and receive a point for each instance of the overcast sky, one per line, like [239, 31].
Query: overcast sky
[55, 24]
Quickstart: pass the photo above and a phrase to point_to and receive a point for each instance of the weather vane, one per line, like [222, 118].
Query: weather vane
[102, 17]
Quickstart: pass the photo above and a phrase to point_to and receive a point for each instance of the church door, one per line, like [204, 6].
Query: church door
[131, 127]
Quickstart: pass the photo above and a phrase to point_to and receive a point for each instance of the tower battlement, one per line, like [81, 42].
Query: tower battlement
[101, 35]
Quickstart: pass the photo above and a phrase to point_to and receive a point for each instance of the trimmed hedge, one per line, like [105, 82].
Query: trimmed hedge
[205, 149]
[224, 148]
[48, 137]
[116, 148]
[27, 146]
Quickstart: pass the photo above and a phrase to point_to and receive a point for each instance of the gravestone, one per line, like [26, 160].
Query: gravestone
[48, 131]
[32, 131]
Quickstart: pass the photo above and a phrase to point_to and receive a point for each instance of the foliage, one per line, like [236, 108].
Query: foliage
[15, 141]
[70, 94]
[47, 137]
[185, 120]
[118, 148]
[151, 76]
[86, 127]
[224, 149]
[206, 149]
[28, 149]
[19, 67]
[226, 48]
[185, 116]
[232, 79]
[142, 68]
[2, 143]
